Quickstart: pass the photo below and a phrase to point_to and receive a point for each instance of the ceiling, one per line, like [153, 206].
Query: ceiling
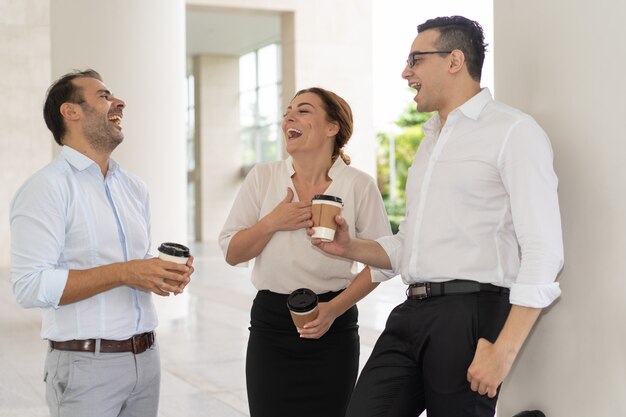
[229, 33]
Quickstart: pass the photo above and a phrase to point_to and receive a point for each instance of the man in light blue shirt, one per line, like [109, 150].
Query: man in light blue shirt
[80, 251]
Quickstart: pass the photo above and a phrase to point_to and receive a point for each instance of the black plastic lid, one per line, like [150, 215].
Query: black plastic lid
[328, 198]
[174, 249]
[301, 300]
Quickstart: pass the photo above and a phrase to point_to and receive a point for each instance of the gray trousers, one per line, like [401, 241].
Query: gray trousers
[80, 384]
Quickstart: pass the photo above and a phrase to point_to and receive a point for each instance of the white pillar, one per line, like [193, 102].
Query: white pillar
[138, 47]
[25, 143]
[217, 109]
[564, 65]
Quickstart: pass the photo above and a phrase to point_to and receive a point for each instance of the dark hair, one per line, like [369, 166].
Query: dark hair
[337, 110]
[458, 32]
[62, 91]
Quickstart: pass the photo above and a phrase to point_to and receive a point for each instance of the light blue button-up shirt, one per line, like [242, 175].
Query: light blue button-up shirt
[68, 216]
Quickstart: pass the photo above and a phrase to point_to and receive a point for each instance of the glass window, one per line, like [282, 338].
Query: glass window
[248, 140]
[247, 72]
[259, 105]
[268, 65]
[268, 104]
[248, 108]
[270, 145]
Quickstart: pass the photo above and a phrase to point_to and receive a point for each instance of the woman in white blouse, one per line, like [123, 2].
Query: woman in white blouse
[309, 371]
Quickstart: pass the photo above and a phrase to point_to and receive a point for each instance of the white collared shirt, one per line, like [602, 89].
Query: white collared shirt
[68, 216]
[482, 204]
[289, 261]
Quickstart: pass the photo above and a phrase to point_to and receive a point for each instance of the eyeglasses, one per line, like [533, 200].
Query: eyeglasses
[411, 60]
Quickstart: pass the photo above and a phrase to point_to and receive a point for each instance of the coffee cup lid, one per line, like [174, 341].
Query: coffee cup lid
[328, 198]
[301, 300]
[174, 249]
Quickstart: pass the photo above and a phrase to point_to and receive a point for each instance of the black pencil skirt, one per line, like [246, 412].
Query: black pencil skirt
[287, 376]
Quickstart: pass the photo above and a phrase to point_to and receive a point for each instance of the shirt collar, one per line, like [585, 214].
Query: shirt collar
[471, 109]
[334, 171]
[82, 162]
[475, 105]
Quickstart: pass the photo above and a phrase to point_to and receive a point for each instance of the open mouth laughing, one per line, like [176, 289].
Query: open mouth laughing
[116, 119]
[293, 133]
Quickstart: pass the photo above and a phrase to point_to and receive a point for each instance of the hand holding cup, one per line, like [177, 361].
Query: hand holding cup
[324, 210]
[302, 304]
[174, 252]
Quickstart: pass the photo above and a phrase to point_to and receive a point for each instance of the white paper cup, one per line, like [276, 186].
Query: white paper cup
[174, 252]
[324, 209]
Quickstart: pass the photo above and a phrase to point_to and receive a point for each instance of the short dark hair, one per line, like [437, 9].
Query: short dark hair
[458, 32]
[338, 110]
[62, 91]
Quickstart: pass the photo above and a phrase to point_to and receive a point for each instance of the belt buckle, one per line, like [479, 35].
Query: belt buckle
[419, 291]
[134, 340]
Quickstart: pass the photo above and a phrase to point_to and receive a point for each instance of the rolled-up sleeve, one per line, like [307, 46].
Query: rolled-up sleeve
[244, 213]
[392, 245]
[527, 172]
[37, 238]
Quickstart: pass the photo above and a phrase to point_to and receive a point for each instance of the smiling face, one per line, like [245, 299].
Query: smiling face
[428, 74]
[101, 115]
[306, 127]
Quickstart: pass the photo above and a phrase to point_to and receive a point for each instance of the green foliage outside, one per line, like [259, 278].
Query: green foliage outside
[406, 143]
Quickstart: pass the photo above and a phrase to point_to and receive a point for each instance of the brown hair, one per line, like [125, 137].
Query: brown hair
[337, 110]
[62, 91]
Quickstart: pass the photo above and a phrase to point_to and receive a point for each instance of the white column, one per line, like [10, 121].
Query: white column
[339, 58]
[220, 154]
[25, 143]
[138, 47]
[564, 65]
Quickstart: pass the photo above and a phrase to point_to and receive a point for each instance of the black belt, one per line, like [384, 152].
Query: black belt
[423, 290]
[139, 343]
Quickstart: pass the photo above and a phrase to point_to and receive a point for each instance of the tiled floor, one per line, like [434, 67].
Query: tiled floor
[202, 336]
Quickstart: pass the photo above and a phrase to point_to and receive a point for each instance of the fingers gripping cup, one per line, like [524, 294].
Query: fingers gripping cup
[174, 252]
[324, 209]
[302, 304]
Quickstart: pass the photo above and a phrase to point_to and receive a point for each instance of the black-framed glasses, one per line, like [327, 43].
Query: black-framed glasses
[411, 60]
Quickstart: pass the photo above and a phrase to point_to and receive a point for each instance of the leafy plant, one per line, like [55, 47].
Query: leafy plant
[396, 164]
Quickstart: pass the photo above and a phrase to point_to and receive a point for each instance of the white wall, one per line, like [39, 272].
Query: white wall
[25, 143]
[138, 47]
[339, 57]
[564, 64]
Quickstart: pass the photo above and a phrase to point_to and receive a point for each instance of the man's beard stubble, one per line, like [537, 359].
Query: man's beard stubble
[101, 136]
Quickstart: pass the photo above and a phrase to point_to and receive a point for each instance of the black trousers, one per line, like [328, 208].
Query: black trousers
[289, 376]
[420, 361]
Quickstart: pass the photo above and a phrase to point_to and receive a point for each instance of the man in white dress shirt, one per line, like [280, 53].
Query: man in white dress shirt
[80, 242]
[479, 249]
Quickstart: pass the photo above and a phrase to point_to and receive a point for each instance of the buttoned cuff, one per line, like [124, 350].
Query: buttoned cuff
[534, 296]
[43, 289]
[54, 285]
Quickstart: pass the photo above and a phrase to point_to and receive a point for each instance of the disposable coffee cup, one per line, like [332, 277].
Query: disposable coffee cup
[174, 252]
[302, 304]
[324, 209]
